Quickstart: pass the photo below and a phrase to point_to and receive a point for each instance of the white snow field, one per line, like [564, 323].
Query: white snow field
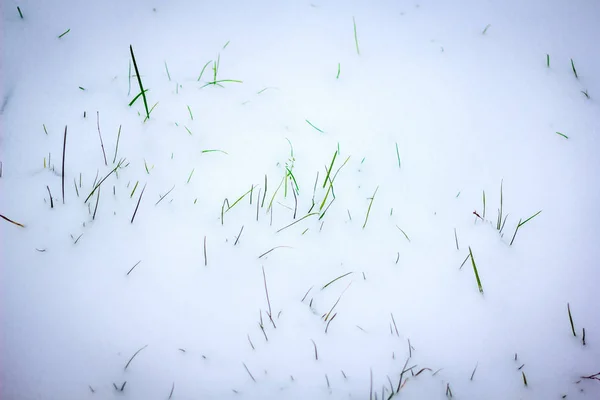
[291, 220]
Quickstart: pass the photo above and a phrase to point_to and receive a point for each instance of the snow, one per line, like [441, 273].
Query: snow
[468, 111]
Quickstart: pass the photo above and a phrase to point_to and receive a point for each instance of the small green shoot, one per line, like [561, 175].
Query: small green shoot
[574, 70]
[214, 150]
[188, 130]
[330, 168]
[475, 271]
[45, 130]
[499, 221]
[134, 187]
[129, 80]
[264, 89]
[146, 166]
[562, 134]
[404, 233]
[483, 217]
[339, 277]
[524, 378]
[20, 13]
[398, 156]
[311, 124]
[167, 69]
[64, 33]
[190, 111]
[218, 82]
[190, 177]
[295, 222]
[226, 44]
[202, 71]
[338, 73]
[81, 88]
[139, 79]
[369, 209]
[117, 146]
[547, 60]
[121, 161]
[485, 29]
[571, 320]
[520, 224]
[355, 37]
[585, 93]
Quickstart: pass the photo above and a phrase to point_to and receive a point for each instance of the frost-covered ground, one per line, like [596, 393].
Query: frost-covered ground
[426, 106]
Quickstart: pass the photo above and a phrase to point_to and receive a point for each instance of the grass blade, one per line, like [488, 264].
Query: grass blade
[63, 166]
[475, 271]
[571, 320]
[11, 221]
[355, 37]
[369, 209]
[310, 123]
[574, 70]
[139, 79]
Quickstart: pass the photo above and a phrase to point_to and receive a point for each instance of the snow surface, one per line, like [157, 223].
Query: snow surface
[468, 111]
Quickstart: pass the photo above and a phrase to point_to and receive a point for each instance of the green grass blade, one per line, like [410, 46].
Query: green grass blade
[311, 124]
[475, 271]
[139, 79]
[339, 277]
[574, 70]
[330, 168]
[203, 68]
[136, 97]
[355, 37]
[369, 209]
[398, 156]
[530, 218]
[338, 72]
[571, 320]
[69, 30]
[562, 134]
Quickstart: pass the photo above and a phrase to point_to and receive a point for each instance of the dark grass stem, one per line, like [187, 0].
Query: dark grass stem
[63, 166]
[139, 79]
[100, 135]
